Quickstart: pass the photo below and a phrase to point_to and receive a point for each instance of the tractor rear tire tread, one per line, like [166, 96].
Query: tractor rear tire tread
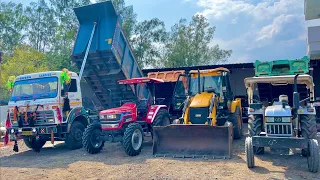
[160, 117]
[308, 126]
[126, 140]
[86, 139]
[255, 128]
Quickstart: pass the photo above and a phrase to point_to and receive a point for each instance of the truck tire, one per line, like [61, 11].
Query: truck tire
[255, 128]
[162, 118]
[34, 144]
[74, 137]
[133, 139]
[237, 126]
[308, 129]
[91, 142]
[313, 156]
[249, 152]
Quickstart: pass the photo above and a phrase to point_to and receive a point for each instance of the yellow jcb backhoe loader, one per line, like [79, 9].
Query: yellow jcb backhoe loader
[210, 119]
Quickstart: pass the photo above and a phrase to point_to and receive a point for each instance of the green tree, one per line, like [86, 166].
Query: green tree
[148, 37]
[13, 23]
[42, 25]
[189, 44]
[23, 60]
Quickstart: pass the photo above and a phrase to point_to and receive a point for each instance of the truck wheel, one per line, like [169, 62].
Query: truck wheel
[162, 118]
[74, 137]
[313, 156]
[249, 152]
[91, 141]
[237, 124]
[255, 128]
[34, 144]
[308, 129]
[133, 139]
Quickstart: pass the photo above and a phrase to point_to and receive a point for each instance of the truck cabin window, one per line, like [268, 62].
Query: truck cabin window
[35, 89]
[71, 88]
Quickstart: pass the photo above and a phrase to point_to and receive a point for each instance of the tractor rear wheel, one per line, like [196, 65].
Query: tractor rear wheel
[91, 141]
[255, 128]
[313, 156]
[133, 139]
[249, 152]
[237, 124]
[162, 118]
[308, 129]
[34, 144]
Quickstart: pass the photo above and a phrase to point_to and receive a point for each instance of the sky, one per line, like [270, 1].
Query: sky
[254, 29]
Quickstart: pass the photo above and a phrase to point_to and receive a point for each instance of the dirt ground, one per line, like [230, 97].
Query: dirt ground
[112, 163]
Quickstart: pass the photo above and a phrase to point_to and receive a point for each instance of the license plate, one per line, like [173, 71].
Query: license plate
[27, 133]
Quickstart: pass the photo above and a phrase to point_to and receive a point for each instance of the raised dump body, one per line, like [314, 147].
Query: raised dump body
[110, 57]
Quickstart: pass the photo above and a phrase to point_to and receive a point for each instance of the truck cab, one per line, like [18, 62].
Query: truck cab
[42, 108]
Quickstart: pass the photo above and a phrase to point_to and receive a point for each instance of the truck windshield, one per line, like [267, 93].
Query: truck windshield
[35, 89]
[207, 84]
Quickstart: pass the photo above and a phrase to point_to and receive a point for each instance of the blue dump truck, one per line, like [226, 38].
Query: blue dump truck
[103, 53]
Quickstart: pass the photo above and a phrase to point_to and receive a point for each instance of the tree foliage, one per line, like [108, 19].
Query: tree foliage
[189, 44]
[12, 22]
[23, 60]
[147, 40]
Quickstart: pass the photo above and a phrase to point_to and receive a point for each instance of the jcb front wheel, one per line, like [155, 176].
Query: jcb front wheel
[237, 124]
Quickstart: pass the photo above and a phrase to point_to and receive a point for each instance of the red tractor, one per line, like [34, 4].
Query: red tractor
[128, 123]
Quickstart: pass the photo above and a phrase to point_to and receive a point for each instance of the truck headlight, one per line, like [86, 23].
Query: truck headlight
[12, 131]
[34, 130]
[50, 120]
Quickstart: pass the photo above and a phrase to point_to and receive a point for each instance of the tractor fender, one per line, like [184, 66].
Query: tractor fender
[77, 113]
[234, 104]
[152, 113]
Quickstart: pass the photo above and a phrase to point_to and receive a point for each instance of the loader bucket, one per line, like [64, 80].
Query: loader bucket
[192, 141]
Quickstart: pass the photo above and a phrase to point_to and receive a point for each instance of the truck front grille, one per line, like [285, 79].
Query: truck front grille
[276, 129]
[43, 117]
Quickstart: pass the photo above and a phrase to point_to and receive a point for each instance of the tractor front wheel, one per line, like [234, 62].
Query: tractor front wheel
[313, 156]
[133, 139]
[74, 137]
[249, 152]
[91, 141]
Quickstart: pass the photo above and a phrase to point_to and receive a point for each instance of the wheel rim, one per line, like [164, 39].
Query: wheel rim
[77, 134]
[136, 139]
[95, 138]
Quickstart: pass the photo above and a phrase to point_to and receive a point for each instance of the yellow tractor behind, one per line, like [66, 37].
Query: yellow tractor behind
[210, 119]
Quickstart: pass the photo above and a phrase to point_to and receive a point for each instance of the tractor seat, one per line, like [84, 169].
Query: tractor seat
[142, 107]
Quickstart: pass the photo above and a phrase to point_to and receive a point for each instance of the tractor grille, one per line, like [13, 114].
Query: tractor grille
[43, 117]
[276, 129]
[198, 115]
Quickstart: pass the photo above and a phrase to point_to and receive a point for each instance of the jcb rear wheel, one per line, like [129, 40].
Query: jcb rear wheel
[249, 152]
[255, 128]
[237, 124]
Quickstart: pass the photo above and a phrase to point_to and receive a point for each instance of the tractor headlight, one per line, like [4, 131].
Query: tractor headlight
[270, 119]
[111, 116]
[101, 116]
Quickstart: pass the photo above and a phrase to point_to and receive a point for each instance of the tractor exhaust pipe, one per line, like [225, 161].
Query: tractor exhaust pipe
[199, 82]
[296, 95]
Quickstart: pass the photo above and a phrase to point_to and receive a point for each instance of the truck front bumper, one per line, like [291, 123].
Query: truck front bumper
[24, 132]
[279, 142]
